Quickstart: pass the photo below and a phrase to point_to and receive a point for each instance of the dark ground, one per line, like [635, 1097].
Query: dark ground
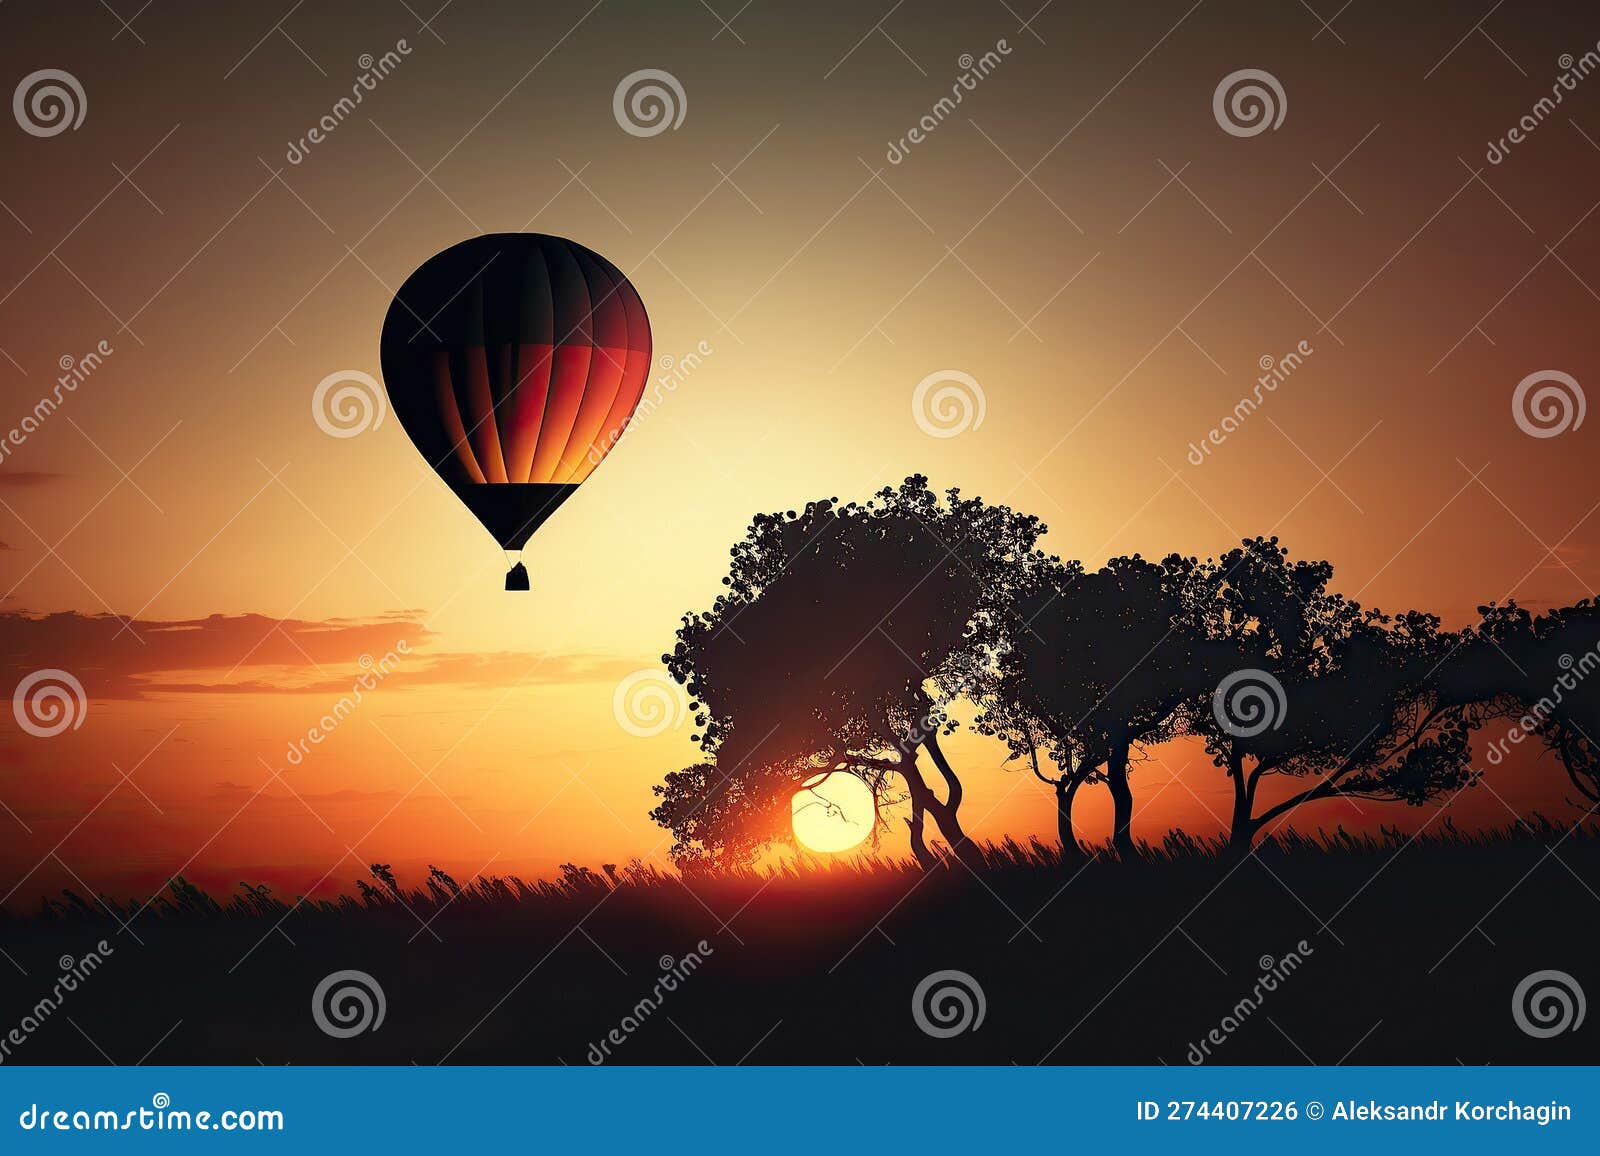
[1415, 951]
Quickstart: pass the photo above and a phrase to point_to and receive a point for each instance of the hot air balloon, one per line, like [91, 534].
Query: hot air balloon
[514, 361]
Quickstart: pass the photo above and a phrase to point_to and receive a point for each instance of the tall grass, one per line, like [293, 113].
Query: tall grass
[1178, 853]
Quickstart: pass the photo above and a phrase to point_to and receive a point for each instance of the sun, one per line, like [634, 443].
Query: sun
[833, 812]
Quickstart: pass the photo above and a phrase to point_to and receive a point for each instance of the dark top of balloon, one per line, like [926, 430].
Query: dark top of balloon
[517, 288]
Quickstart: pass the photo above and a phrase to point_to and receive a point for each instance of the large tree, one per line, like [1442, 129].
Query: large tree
[1007, 716]
[1542, 674]
[1340, 701]
[1102, 663]
[843, 634]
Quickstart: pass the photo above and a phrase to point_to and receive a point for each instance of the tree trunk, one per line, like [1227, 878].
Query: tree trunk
[1242, 830]
[945, 814]
[926, 859]
[1121, 801]
[1072, 852]
[923, 802]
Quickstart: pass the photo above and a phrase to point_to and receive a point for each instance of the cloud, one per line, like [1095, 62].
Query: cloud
[128, 658]
[501, 668]
[18, 479]
[1566, 556]
[235, 794]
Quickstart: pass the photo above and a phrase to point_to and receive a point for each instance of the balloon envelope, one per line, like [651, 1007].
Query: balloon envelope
[514, 361]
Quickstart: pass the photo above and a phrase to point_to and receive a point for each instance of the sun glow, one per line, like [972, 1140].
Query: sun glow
[833, 812]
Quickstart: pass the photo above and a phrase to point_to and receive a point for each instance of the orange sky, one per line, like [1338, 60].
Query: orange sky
[1079, 236]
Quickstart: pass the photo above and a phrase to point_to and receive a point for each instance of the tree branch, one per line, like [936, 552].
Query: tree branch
[1328, 787]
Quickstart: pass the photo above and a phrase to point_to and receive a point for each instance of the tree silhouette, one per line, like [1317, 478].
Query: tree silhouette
[1347, 700]
[1543, 671]
[725, 821]
[843, 634]
[846, 632]
[1006, 716]
[1107, 662]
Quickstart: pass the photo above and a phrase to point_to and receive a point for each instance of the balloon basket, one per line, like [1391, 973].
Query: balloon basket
[517, 577]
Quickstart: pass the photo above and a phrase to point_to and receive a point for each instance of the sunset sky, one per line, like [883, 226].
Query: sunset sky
[1079, 235]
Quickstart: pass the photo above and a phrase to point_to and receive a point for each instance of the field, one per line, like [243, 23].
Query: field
[1378, 950]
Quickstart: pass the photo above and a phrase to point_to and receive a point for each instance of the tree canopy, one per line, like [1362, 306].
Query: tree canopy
[846, 632]
[843, 633]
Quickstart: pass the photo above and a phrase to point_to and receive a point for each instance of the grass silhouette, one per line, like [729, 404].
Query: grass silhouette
[1413, 946]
